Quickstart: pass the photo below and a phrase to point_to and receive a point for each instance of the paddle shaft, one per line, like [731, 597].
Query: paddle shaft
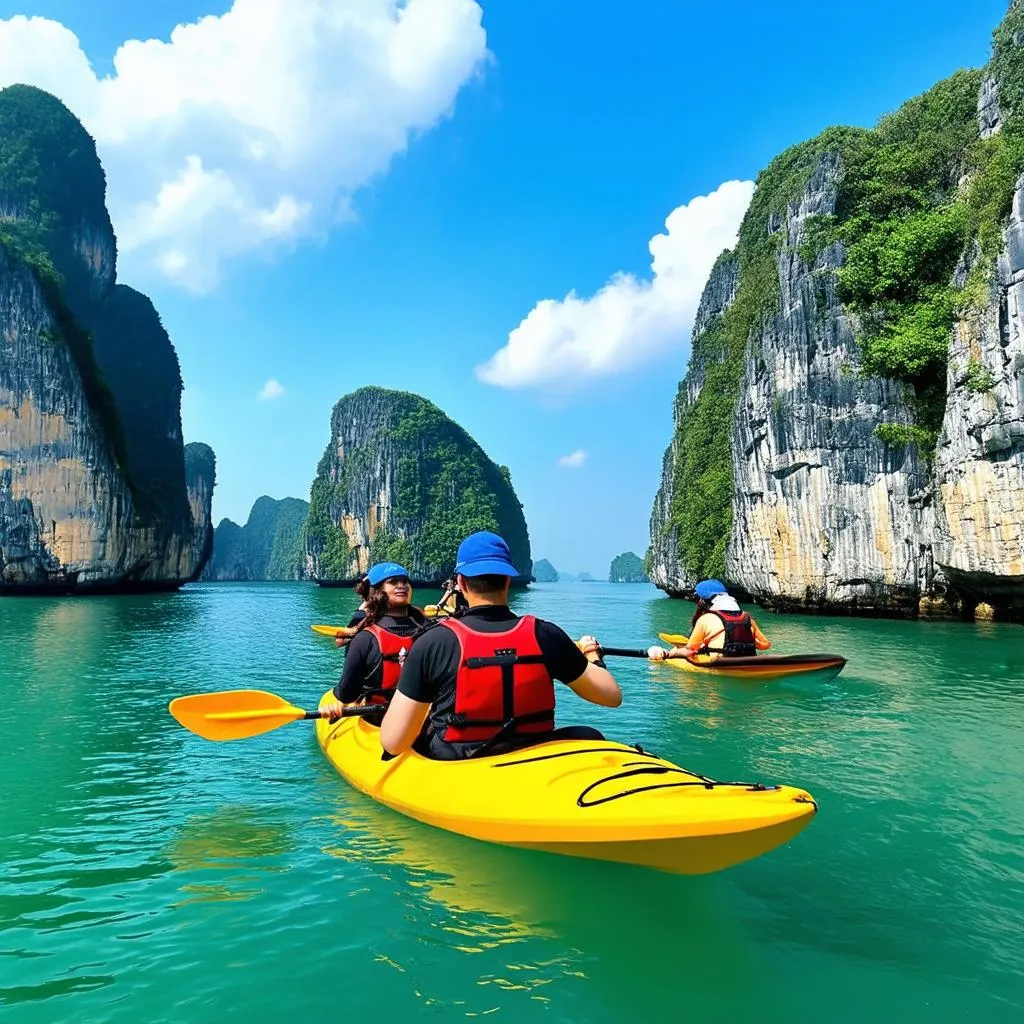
[248, 716]
[629, 652]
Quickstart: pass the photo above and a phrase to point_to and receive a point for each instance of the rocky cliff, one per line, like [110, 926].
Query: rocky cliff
[850, 431]
[627, 568]
[400, 481]
[95, 492]
[544, 571]
[271, 545]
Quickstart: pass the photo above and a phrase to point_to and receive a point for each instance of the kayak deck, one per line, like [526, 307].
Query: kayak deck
[596, 799]
[763, 667]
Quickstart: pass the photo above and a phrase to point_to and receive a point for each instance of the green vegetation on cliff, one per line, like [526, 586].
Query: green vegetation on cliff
[440, 484]
[627, 568]
[51, 182]
[271, 545]
[701, 509]
[921, 204]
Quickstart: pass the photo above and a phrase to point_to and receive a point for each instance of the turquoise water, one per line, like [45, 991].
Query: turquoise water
[149, 875]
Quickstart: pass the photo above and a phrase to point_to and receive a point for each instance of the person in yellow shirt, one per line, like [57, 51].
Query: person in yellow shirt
[719, 628]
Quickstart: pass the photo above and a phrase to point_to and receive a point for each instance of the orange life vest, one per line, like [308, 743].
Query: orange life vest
[502, 687]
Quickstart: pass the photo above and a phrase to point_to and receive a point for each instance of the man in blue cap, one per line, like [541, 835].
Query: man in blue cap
[384, 636]
[719, 627]
[486, 678]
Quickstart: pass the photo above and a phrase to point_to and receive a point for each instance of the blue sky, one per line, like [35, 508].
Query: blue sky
[564, 152]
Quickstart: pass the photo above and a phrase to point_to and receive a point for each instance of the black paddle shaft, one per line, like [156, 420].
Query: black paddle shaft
[627, 652]
[361, 709]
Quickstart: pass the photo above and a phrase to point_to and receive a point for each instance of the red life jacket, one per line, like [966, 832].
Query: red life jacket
[502, 687]
[739, 635]
[393, 649]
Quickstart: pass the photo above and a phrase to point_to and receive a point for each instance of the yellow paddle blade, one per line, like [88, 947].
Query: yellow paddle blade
[675, 639]
[334, 631]
[233, 714]
[430, 611]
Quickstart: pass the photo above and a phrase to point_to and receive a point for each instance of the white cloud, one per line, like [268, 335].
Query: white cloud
[253, 128]
[562, 344]
[575, 460]
[271, 390]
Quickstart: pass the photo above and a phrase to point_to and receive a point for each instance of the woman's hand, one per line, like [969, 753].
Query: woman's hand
[589, 645]
[657, 653]
[333, 711]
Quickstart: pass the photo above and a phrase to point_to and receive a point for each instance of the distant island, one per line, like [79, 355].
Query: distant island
[401, 482]
[627, 568]
[271, 545]
[544, 571]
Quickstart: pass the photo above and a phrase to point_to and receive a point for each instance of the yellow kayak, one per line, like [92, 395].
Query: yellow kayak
[763, 667]
[334, 631]
[583, 798]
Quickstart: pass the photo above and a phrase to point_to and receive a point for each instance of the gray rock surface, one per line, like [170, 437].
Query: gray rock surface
[990, 117]
[68, 518]
[400, 481]
[980, 461]
[824, 514]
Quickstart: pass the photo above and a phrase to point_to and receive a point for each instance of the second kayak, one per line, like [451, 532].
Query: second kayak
[583, 798]
[763, 667]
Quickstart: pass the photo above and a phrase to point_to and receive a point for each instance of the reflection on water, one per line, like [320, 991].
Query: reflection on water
[236, 845]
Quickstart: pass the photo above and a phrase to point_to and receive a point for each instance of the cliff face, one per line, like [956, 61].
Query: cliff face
[94, 493]
[271, 545]
[980, 458]
[824, 513]
[200, 477]
[400, 481]
[850, 431]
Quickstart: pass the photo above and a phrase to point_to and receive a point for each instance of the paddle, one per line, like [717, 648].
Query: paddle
[239, 714]
[340, 632]
[675, 639]
[629, 652]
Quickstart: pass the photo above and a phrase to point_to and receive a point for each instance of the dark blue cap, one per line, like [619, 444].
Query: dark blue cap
[707, 589]
[384, 571]
[484, 554]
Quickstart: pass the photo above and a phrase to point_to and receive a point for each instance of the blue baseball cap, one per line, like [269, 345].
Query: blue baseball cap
[707, 589]
[384, 571]
[484, 554]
